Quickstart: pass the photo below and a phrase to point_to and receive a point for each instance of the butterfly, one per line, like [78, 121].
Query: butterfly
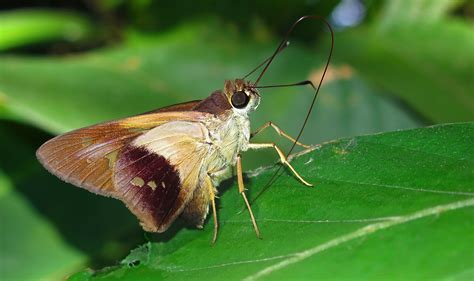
[169, 162]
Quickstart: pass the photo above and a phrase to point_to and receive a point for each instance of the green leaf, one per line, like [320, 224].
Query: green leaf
[396, 206]
[430, 66]
[414, 12]
[30, 246]
[185, 64]
[20, 28]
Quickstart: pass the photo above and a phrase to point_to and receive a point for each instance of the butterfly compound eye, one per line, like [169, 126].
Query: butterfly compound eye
[240, 99]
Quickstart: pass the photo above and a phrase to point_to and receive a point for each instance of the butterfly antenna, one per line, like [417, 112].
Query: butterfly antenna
[287, 43]
[277, 173]
[285, 39]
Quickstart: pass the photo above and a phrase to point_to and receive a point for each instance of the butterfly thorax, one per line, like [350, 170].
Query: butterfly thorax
[229, 131]
[229, 135]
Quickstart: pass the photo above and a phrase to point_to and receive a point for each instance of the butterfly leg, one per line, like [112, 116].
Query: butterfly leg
[212, 197]
[240, 181]
[282, 158]
[279, 131]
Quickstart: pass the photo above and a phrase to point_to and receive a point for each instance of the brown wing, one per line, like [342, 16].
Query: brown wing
[152, 162]
[156, 174]
[86, 157]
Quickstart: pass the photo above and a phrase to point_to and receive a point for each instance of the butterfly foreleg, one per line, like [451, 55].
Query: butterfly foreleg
[283, 158]
[279, 132]
[240, 182]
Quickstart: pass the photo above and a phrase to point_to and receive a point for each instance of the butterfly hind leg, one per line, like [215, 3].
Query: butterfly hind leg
[212, 197]
[240, 181]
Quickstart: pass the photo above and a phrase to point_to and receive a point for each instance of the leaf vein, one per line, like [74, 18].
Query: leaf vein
[317, 221]
[402, 187]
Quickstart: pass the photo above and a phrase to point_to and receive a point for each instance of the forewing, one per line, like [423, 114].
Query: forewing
[185, 106]
[87, 157]
[157, 173]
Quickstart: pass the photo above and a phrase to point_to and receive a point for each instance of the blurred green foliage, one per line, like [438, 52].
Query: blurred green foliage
[26, 27]
[67, 64]
[415, 53]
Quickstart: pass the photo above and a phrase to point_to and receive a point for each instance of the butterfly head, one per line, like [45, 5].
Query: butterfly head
[241, 95]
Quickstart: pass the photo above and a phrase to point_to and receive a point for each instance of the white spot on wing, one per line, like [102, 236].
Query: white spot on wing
[137, 181]
[151, 184]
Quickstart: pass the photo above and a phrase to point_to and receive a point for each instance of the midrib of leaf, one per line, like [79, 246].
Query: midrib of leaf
[400, 187]
[361, 232]
[366, 230]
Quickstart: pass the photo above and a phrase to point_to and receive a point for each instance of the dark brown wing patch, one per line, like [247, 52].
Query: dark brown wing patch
[216, 103]
[149, 185]
[184, 106]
